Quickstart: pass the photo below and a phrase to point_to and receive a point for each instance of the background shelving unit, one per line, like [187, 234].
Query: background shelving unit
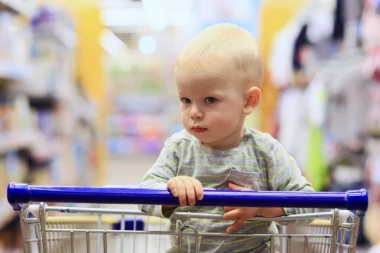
[25, 8]
[15, 40]
[46, 120]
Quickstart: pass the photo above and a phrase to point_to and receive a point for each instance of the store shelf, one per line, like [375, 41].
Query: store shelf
[14, 141]
[7, 214]
[13, 72]
[62, 36]
[26, 8]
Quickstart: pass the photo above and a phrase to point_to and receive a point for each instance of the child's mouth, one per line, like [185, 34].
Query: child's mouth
[197, 129]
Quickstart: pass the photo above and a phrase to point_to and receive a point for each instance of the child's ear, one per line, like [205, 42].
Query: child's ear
[252, 100]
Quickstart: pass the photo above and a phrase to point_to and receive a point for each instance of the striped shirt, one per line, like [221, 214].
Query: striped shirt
[259, 163]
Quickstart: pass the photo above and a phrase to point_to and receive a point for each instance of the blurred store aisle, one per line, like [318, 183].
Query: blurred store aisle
[128, 170]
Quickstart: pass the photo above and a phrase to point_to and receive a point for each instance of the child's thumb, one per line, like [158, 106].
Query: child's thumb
[233, 186]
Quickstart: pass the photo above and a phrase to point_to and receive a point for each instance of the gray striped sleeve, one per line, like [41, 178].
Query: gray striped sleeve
[158, 175]
[285, 175]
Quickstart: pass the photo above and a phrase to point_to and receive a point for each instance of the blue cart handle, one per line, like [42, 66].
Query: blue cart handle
[24, 193]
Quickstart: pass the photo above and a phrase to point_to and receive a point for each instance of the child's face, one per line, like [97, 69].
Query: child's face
[212, 108]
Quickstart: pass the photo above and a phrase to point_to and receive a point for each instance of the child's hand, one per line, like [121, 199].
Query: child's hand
[187, 189]
[241, 214]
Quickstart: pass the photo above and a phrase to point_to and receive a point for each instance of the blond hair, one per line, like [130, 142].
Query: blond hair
[225, 47]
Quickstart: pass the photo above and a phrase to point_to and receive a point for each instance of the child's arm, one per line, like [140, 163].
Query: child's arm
[157, 177]
[285, 175]
[163, 175]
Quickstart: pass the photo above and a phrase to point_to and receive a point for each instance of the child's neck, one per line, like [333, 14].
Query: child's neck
[229, 142]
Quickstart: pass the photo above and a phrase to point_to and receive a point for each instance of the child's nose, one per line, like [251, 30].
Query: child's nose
[195, 112]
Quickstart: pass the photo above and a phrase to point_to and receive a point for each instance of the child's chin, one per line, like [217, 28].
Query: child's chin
[199, 137]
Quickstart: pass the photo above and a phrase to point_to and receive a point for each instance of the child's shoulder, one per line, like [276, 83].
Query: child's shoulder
[260, 139]
[179, 138]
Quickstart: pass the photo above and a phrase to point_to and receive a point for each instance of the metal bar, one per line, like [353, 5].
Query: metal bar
[196, 237]
[174, 233]
[72, 242]
[305, 244]
[272, 249]
[289, 244]
[181, 214]
[97, 231]
[346, 246]
[98, 236]
[88, 247]
[93, 210]
[24, 230]
[197, 240]
[325, 242]
[105, 242]
[347, 226]
[344, 235]
[282, 218]
[33, 240]
[66, 241]
[341, 241]
[283, 239]
[43, 227]
[354, 234]
[62, 249]
[57, 233]
[334, 239]
[159, 238]
[23, 193]
[146, 236]
[179, 240]
[37, 233]
[51, 241]
[320, 246]
[122, 228]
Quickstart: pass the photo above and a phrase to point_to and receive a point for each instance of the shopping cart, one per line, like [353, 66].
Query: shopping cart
[97, 229]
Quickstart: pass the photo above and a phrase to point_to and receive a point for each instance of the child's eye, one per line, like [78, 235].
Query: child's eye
[210, 100]
[185, 100]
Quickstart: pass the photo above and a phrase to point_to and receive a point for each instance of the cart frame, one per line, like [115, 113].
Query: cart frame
[36, 216]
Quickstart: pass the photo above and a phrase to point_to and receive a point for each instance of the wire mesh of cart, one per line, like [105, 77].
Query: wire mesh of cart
[48, 229]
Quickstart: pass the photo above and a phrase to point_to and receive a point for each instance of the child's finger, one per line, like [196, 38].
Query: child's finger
[181, 192]
[229, 208]
[231, 215]
[235, 225]
[172, 186]
[233, 186]
[190, 192]
[198, 188]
